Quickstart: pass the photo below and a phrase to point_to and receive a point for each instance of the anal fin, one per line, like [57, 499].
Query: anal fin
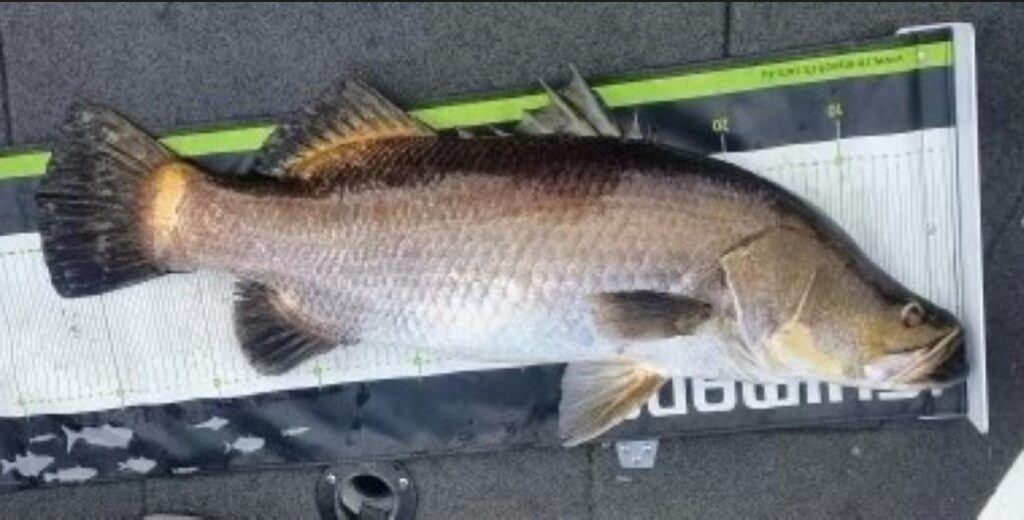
[272, 331]
[598, 395]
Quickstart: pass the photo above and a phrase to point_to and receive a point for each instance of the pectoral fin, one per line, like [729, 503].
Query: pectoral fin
[598, 395]
[648, 314]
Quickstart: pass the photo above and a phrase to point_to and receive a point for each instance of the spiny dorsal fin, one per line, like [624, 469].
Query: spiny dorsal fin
[648, 314]
[598, 395]
[586, 102]
[332, 129]
[634, 132]
[273, 335]
[575, 110]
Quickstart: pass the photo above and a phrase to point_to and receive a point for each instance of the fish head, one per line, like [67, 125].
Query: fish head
[811, 307]
[911, 344]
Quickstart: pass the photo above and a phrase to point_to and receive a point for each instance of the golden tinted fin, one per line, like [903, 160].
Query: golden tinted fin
[272, 332]
[334, 129]
[648, 314]
[598, 395]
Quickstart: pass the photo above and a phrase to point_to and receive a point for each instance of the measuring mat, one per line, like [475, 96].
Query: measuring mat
[880, 135]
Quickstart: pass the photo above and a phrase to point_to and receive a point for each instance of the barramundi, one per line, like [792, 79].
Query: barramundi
[572, 241]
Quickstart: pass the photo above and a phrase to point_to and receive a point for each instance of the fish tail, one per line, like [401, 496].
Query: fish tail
[71, 436]
[108, 200]
[6, 466]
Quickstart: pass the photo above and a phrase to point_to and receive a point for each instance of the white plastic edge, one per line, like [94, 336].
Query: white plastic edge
[971, 246]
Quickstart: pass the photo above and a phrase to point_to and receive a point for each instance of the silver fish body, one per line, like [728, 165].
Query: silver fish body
[492, 250]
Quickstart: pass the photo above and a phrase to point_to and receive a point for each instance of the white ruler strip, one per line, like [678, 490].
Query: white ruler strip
[172, 340]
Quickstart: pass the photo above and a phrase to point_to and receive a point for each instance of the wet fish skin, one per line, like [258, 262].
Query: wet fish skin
[494, 248]
[446, 229]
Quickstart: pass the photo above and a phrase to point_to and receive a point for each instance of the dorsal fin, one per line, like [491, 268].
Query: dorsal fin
[334, 128]
[586, 102]
[574, 110]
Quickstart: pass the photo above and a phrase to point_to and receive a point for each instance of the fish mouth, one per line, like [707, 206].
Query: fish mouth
[940, 365]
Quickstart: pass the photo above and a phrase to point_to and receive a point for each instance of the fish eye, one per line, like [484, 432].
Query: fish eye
[912, 314]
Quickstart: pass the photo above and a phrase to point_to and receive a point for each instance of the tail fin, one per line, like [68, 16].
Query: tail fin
[89, 202]
[72, 437]
[6, 467]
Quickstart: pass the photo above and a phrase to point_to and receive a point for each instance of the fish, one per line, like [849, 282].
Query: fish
[27, 465]
[244, 444]
[39, 439]
[137, 465]
[295, 431]
[73, 474]
[572, 241]
[106, 436]
[214, 423]
[184, 470]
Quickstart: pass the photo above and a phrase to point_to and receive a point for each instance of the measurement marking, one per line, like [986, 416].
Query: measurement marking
[12, 357]
[835, 113]
[318, 371]
[839, 143]
[111, 348]
[720, 126]
[418, 361]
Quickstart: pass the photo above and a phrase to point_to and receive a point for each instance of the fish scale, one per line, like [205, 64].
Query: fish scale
[613, 246]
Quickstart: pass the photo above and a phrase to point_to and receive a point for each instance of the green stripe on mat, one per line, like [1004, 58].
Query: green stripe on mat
[700, 84]
[243, 139]
[23, 164]
[783, 74]
[625, 93]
